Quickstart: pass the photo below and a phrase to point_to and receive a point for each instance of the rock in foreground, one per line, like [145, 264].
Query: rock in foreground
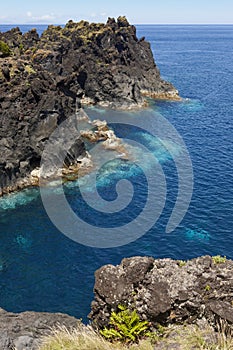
[189, 297]
[25, 330]
[166, 291]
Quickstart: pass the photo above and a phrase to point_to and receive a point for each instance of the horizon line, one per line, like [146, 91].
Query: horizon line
[136, 24]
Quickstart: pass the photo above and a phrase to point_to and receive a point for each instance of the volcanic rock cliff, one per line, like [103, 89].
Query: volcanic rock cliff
[166, 291]
[43, 79]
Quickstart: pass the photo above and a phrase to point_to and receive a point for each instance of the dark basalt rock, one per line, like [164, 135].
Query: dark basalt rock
[25, 330]
[44, 76]
[165, 291]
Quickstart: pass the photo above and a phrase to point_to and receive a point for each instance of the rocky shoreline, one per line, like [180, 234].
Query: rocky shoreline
[77, 162]
[43, 80]
[166, 292]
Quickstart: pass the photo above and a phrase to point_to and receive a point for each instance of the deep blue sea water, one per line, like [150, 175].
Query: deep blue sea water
[42, 270]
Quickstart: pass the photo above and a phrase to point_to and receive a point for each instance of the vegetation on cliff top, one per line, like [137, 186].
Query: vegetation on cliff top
[181, 337]
[63, 339]
[126, 331]
[125, 326]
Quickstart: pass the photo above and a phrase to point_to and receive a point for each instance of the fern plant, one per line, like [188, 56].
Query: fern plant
[125, 326]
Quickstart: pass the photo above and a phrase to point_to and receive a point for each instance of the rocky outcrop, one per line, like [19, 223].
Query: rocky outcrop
[57, 163]
[190, 297]
[166, 291]
[25, 330]
[104, 64]
[22, 143]
[42, 80]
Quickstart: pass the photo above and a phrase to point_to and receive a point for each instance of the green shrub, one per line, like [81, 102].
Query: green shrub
[125, 326]
[4, 49]
[29, 69]
[207, 288]
[21, 48]
[181, 263]
[218, 259]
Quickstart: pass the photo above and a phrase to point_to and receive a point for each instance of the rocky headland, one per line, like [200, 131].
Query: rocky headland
[44, 80]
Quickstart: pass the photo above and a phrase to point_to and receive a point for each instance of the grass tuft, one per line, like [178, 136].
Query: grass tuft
[178, 337]
[86, 339]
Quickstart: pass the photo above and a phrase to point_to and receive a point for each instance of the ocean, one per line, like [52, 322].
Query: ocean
[41, 269]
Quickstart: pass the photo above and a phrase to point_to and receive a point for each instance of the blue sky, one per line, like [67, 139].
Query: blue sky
[147, 11]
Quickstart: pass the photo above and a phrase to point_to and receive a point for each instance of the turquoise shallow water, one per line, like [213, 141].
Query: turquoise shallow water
[42, 270]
